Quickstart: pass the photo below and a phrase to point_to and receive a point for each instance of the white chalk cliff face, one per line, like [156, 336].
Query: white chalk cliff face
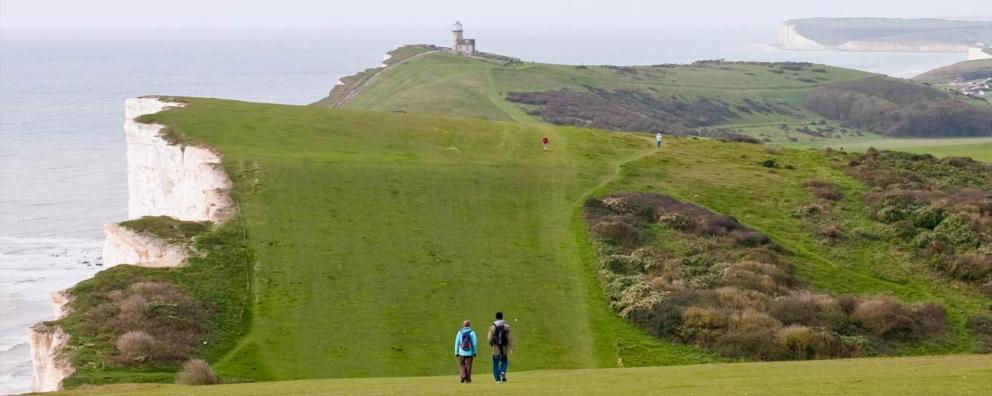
[184, 182]
[789, 38]
[51, 367]
[124, 246]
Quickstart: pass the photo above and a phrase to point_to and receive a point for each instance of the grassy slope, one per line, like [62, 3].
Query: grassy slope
[446, 84]
[727, 178]
[958, 375]
[365, 224]
[376, 234]
[977, 148]
[452, 85]
[946, 74]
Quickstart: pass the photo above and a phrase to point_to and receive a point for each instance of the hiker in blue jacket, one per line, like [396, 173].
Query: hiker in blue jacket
[466, 344]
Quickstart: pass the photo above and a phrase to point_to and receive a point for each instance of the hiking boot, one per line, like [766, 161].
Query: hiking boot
[502, 377]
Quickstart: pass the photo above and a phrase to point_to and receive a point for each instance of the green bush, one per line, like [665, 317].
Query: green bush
[927, 217]
[957, 231]
[810, 343]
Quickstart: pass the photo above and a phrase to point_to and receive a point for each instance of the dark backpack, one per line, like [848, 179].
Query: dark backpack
[466, 344]
[500, 335]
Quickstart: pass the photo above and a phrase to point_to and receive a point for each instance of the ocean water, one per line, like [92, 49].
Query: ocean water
[62, 164]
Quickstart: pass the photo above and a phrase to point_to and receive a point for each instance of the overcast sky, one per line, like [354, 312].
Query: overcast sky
[431, 13]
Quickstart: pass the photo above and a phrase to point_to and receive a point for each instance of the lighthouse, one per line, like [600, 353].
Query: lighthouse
[462, 45]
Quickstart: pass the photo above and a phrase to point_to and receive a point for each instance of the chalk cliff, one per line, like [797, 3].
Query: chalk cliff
[164, 179]
[887, 46]
[789, 38]
[185, 182]
[124, 246]
[51, 366]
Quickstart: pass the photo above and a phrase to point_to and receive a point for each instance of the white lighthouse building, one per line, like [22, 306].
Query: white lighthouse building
[462, 45]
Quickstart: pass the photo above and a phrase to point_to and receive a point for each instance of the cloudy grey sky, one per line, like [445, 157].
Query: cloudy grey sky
[431, 13]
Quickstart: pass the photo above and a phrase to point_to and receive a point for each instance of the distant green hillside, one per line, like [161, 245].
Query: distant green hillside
[622, 98]
[769, 102]
[837, 31]
[963, 71]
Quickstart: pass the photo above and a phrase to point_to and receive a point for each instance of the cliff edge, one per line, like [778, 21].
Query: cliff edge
[180, 181]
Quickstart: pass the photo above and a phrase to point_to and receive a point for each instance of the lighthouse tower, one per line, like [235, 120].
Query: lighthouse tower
[462, 45]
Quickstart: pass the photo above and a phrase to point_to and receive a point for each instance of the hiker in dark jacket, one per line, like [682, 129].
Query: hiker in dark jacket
[501, 342]
[466, 345]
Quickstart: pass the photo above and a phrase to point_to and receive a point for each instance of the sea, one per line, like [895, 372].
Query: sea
[62, 92]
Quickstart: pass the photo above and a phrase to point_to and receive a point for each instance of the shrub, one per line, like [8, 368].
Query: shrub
[750, 239]
[981, 328]
[824, 190]
[890, 319]
[832, 232]
[196, 372]
[858, 345]
[719, 225]
[808, 343]
[678, 222]
[703, 325]
[971, 267]
[930, 319]
[737, 299]
[806, 211]
[791, 310]
[758, 344]
[769, 163]
[927, 217]
[766, 278]
[137, 345]
[868, 234]
[956, 231]
[618, 232]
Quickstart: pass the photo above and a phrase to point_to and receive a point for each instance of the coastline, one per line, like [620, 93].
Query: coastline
[164, 179]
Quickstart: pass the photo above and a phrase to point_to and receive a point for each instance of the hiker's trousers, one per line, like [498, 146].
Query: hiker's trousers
[500, 365]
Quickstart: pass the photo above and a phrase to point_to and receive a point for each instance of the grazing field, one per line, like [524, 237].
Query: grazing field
[944, 375]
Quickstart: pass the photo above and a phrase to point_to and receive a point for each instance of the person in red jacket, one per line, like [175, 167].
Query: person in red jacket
[546, 142]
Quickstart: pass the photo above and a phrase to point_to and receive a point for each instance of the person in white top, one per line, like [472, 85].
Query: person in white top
[657, 139]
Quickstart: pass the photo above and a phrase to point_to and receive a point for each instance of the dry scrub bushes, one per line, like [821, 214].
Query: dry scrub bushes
[684, 273]
[155, 323]
[941, 207]
[196, 372]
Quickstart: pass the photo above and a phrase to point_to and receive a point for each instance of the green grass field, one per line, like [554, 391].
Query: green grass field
[944, 375]
[377, 229]
[376, 234]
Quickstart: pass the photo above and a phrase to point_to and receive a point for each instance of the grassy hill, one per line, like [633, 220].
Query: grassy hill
[963, 71]
[374, 234]
[446, 84]
[770, 102]
[372, 230]
[377, 233]
[958, 375]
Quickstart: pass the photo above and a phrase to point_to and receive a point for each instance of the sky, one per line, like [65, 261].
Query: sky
[638, 14]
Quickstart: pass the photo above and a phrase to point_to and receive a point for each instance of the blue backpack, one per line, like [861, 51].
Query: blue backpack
[466, 343]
